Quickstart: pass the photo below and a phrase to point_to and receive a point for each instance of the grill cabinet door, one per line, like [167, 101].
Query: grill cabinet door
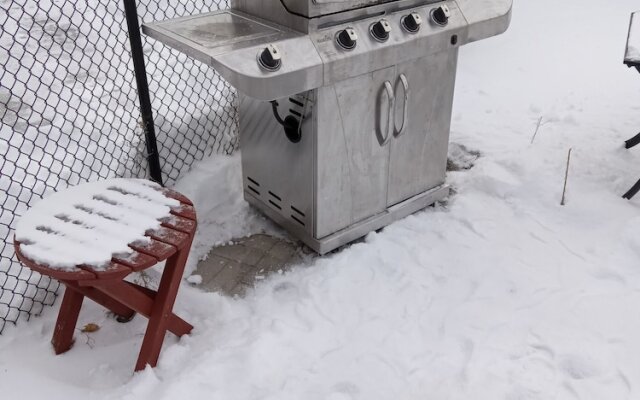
[352, 161]
[418, 158]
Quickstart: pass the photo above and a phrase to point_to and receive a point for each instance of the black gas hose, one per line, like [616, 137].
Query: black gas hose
[291, 124]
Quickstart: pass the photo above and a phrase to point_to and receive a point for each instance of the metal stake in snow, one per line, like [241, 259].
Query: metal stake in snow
[537, 129]
[566, 178]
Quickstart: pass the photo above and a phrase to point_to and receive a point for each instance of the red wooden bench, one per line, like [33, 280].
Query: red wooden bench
[170, 240]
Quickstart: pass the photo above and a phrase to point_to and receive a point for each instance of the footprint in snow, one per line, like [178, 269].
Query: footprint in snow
[344, 391]
[610, 276]
[579, 367]
[339, 396]
[461, 158]
[286, 291]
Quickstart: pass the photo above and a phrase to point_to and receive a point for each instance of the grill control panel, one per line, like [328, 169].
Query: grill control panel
[346, 39]
[356, 47]
[378, 40]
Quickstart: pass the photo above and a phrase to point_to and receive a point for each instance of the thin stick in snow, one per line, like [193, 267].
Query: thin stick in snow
[537, 129]
[566, 178]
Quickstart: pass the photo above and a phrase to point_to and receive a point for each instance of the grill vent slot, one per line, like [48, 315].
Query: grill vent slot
[296, 102]
[275, 196]
[276, 205]
[253, 189]
[298, 216]
[275, 200]
[253, 181]
[297, 220]
[303, 215]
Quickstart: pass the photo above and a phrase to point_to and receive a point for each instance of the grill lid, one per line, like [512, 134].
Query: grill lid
[317, 8]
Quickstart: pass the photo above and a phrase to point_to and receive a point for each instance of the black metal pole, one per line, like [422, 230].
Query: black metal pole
[131, 13]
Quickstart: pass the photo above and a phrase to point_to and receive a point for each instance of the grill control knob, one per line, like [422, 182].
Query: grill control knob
[380, 30]
[411, 23]
[440, 16]
[270, 58]
[347, 38]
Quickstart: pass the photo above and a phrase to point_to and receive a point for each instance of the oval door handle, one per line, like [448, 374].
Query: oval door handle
[402, 79]
[385, 137]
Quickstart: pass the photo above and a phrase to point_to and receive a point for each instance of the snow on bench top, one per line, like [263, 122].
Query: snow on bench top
[89, 223]
[633, 44]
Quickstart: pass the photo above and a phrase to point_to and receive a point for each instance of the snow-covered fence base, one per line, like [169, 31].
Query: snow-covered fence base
[69, 113]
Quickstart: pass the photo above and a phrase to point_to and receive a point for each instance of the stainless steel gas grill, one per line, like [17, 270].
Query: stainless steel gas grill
[345, 104]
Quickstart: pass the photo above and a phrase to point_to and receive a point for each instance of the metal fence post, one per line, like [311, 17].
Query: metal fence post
[131, 13]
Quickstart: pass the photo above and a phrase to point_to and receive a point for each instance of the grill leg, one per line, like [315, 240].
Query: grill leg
[67, 319]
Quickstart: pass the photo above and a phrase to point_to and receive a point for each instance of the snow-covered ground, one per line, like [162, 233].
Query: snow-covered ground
[501, 293]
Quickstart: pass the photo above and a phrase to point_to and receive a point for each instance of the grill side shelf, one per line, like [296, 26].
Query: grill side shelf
[231, 41]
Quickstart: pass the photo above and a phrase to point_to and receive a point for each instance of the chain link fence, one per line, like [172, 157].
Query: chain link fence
[69, 113]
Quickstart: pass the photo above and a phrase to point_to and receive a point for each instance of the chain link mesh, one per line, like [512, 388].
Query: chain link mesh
[69, 113]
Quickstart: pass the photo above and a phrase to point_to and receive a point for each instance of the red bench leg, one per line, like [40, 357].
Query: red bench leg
[162, 308]
[67, 319]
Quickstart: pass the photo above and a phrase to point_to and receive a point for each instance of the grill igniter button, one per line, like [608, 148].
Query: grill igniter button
[270, 58]
[347, 39]
[411, 23]
[380, 30]
[440, 16]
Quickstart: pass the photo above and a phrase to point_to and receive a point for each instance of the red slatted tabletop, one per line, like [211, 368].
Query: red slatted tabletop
[91, 237]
